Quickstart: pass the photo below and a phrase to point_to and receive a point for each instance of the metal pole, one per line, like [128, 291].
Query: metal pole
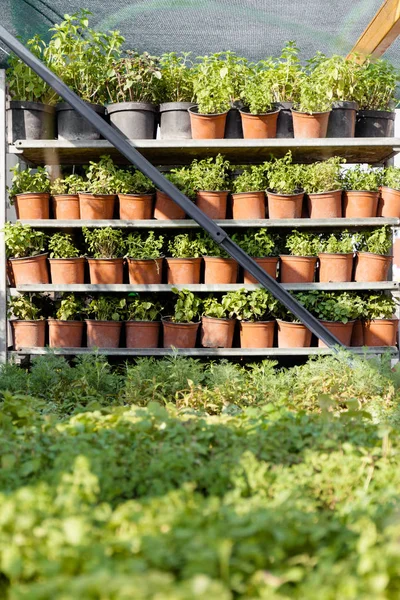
[3, 284]
[126, 148]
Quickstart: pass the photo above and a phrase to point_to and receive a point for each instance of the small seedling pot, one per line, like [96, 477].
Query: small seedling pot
[166, 209]
[32, 205]
[248, 205]
[217, 333]
[285, 206]
[31, 120]
[145, 271]
[360, 204]
[268, 263]
[342, 331]
[32, 269]
[183, 270]
[257, 335]
[259, 126]
[325, 205]
[96, 206]
[293, 335]
[135, 207]
[220, 270]
[213, 204]
[372, 267]
[67, 270]
[298, 269]
[389, 203]
[380, 332]
[335, 267]
[65, 334]
[72, 126]
[142, 334]
[179, 335]
[175, 121]
[207, 127]
[313, 125]
[103, 334]
[28, 334]
[66, 207]
[106, 270]
[135, 120]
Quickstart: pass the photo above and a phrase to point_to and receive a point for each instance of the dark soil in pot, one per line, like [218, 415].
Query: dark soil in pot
[375, 123]
[135, 120]
[31, 120]
[72, 126]
[342, 120]
[175, 121]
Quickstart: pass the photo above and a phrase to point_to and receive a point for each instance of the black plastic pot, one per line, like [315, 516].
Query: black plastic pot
[135, 120]
[71, 126]
[233, 126]
[285, 120]
[375, 123]
[175, 121]
[31, 120]
[342, 120]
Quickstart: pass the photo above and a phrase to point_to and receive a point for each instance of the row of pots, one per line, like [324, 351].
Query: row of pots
[180, 120]
[292, 269]
[244, 206]
[214, 333]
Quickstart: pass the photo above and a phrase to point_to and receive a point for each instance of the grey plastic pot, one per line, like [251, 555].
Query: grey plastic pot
[175, 121]
[233, 126]
[342, 120]
[375, 123]
[135, 120]
[31, 120]
[72, 126]
[285, 120]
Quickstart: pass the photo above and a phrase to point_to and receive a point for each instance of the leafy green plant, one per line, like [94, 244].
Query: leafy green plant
[252, 179]
[257, 94]
[378, 241]
[25, 180]
[104, 242]
[391, 178]
[69, 308]
[315, 92]
[376, 85]
[106, 308]
[342, 243]
[176, 77]
[211, 174]
[144, 246]
[213, 84]
[285, 76]
[341, 75]
[358, 178]
[22, 241]
[300, 243]
[182, 178]
[208, 247]
[71, 184]
[258, 242]
[102, 177]
[331, 306]
[324, 176]
[134, 78]
[281, 312]
[220, 309]
[187, 306]
[26, 307]
[61, 246]
[378, 306]
[142, 309]
[185, 245]
[258, 305]
[284, 176]
[133, 182]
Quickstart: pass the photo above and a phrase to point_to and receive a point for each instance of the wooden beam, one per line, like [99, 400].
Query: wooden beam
[381, 31]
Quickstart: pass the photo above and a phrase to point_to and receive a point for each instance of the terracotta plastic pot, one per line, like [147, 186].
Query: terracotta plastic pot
[66, 207]
[106, 270]
[179, 335]
[65, 334]
[259, 126]
[268, 263]
[135, 206]
[389, 203]
[220, 270]
[213, 204]
[298, 269]
[285, 206]
[217, 333]
[207, 127]
[166, 209]
[342, 331]
[257, 335]
[357, 337]
[335, 267]
[28, 334]
[96, 206]
[183, 270]
[248, 205]
[142, 334]
[145, 271]
[103, 334]
[372, 267]
[32, 269]
[32, 206]
[67, 270]
[380, 332]
[360, 204]
[326, 205]
[310, 126]
[293, 335]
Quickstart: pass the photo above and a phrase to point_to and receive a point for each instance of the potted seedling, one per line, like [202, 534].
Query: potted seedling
[105, 323]
[361, 192]
[389, 201]
[82, 57]
[133, 91]
[25, 249]
[65, 193]
[255, 312]
[372, 260]
[335, 256]
[263, 247]
[145, 258]
[248, 198]
[30, 192]
[259, 116]
[135, 194]
[376, 89]
[106, 247]
[299, 267]
[165, 208]
[180, 329]
[143, 323]
[312, 111]
[183, 264]
[29, 327]
[32, 99]
[66, 329]
[210, 180]
[66, 263]
[285, 86]
[218, 322]
[322, 183]
[380, 326]
[98, 200]
[285, 196]
[219, 267]
[292, 333]
[176, 96]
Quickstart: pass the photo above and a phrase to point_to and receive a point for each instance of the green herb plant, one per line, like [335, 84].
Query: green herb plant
[181, 177]
[340, 74]
[22, 241]
[315, 94]
[61, 246]
[256, 94]
[71, 184]
[252, 179]
[213, 84]
[358, 178]
[376, 85]
[135, 78]
[220, 309]
[285, 75]
[324, 176]
[26, 307]
[106, 308]
[258, 243]
[378, 241]
[378, 306]
[25, 180]
[142, 246]
[258, 305]
[104, 242]
[143, 309]
[102, 176]
[132, 182]
[185, 245]
[210, 248]
[300, 243]
[391, 178]
[210, 174]
[284, 176]
[69, 308]
[331, 306]
[343, 243]
[176, 77]
[188, 306]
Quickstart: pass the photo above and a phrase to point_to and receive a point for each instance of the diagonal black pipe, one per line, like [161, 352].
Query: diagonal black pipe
[126, 148]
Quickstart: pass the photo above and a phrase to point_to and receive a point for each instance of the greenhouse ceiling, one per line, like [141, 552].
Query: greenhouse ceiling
[252, 28]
